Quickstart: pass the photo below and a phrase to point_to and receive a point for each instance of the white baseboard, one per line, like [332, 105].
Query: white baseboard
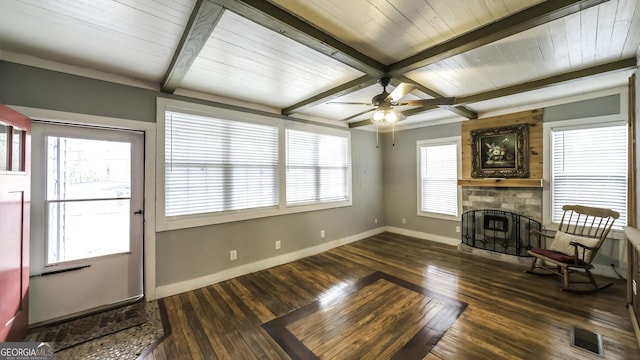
[424, 236]
[599, 269]
[192, 284]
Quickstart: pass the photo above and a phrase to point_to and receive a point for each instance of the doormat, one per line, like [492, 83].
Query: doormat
[78, 331]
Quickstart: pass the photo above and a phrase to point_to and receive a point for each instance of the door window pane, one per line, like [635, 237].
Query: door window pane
[88, 229]
[88, 198]
[17, 151]
[4, 149]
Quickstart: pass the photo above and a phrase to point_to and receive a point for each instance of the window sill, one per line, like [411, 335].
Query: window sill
[183, 222]
[439, 216]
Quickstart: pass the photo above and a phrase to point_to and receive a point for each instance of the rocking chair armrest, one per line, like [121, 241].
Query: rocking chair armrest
[585, 247]
[582, 246]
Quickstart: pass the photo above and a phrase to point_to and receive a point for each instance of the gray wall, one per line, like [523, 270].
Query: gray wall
[606, 105]
[190, 253]
[44, 89]
[401, 182]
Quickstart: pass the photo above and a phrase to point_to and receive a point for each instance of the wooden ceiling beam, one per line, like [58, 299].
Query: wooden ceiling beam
[289, 25]
[531, 17]
[460, 110]
[203, 20]
[621, 65]
[360, 123]
[526, 19]
[276, 19]
[336, 92]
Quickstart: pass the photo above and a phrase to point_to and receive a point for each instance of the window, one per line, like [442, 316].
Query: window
[215, 165]
[589, 167]
[317, 167]
[438, 190]
[222, 165]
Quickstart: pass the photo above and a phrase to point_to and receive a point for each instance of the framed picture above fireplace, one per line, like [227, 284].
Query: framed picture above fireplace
[501, 152]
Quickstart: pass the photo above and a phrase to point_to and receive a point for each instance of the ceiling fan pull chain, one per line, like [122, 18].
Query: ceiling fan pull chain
[377, 138]
[393, 133]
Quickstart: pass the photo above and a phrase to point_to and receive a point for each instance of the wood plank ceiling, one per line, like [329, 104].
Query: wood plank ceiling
[294, 56]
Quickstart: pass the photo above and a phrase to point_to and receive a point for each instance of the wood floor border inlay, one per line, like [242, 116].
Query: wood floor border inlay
[443, 313]
[166, 330]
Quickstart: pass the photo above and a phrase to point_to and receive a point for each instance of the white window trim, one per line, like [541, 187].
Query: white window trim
[598, 121]
[441, 141]
[164, 224]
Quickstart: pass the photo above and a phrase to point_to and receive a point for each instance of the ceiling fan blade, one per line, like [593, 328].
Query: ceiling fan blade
[348, 103]
[425, 102]
[401, 91]
[358, 114]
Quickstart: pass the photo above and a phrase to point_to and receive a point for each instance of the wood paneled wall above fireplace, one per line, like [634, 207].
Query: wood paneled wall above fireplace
[534, 119]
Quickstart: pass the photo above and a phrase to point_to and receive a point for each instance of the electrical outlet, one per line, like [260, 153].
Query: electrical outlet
[233, 255]
[278, 244]
[404, 220]
[375, 221]
[457, 229]
[322, 234]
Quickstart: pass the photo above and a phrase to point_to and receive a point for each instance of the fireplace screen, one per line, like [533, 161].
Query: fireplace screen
[499, 231]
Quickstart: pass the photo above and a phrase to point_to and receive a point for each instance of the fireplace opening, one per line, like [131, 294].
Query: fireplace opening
[499, 231]
[496, 223]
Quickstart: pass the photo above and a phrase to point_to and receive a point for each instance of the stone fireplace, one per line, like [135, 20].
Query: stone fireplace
[504, 208]
[496, 221]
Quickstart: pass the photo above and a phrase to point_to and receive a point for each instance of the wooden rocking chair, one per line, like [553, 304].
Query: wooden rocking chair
[575, 244]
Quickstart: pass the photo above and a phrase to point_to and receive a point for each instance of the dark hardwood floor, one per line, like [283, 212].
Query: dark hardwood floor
[368, 299]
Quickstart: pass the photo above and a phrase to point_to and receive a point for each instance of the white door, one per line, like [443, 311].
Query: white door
[87, 233]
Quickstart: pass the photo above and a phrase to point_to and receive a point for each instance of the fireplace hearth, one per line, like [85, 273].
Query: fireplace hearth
[498, 231]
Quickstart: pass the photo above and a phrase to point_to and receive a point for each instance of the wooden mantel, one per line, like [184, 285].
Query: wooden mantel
[531, 117]
[501, 182]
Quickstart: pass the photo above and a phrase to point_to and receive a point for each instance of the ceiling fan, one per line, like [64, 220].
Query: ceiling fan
[384, 103]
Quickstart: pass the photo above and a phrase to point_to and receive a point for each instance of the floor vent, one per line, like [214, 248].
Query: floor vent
[587, 340]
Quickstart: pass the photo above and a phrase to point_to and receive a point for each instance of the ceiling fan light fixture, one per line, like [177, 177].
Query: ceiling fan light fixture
[384, 117]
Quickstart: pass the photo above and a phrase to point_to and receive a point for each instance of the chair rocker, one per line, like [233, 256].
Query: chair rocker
[573, 247]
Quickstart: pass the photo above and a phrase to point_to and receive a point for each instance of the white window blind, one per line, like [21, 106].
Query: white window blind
[439, 178]
[589, 167]
[317, 167]
[216, 165]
